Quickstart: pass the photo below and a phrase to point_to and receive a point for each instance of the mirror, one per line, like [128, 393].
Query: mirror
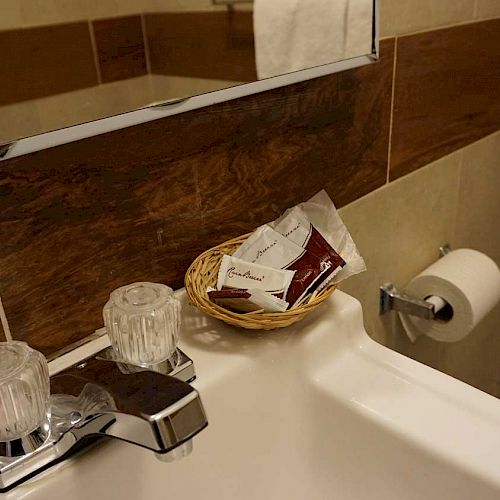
[70, 62]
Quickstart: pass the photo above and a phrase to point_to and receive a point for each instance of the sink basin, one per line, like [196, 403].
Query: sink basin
[316, 411]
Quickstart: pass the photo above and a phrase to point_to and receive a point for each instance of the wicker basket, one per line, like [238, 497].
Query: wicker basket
[203, 273]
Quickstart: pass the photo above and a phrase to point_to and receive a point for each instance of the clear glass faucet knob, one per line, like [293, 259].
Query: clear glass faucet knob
[24, 390]
[142, 321]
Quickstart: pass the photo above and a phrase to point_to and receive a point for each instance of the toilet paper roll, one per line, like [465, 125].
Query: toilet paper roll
[468, 281]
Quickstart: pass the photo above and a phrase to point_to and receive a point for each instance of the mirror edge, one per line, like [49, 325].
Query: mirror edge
[173, 107]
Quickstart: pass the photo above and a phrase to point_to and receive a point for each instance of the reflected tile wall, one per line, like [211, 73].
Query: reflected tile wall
[63, 110]
[120, 48]
[64, 61]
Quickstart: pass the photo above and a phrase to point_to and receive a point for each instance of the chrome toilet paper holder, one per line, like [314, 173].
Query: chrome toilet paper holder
[393, 300]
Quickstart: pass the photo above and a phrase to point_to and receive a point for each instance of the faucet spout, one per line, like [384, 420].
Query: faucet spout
[104, 397]
[145, 408]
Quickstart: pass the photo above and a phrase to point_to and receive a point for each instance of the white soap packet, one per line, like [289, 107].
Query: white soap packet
[247, 300]
[270, 248]
[237, 273]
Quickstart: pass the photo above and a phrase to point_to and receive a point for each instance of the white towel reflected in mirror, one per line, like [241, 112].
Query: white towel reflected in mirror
[291, 35]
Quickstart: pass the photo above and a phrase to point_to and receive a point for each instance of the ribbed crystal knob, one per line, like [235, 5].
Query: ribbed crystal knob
[24, 390]
[142, 321]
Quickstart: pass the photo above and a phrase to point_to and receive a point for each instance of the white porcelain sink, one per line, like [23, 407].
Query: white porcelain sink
[316, 411]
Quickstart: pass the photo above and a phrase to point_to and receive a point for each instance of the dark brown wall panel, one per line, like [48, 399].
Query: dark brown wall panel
[38, 62]
[120, 48]
[215, 45]
[446, 92]
[328, 133]
[139, 204]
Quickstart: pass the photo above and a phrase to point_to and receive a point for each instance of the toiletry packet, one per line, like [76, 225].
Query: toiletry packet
[247, 300]
[323, 215]
[237, 273]
[295, 226]
[270, 248]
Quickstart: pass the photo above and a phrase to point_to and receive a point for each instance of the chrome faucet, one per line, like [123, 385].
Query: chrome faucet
[104, 397]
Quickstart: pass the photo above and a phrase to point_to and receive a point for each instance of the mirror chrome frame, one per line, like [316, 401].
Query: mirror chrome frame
[177, 106]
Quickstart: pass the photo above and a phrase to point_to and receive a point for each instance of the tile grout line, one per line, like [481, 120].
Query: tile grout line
[459, 190]
[391, 119]
[94, 51]
[5, 323]
[146, 44]
[474, 11]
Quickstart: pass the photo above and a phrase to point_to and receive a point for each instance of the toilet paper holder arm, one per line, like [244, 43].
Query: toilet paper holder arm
[393, 300]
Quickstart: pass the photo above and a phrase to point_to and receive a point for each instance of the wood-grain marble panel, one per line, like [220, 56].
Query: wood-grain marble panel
[139, 204]
[330, 133]
[77, 223]
[447, 90]
[120, 48]
[214, 45]
[43, 61]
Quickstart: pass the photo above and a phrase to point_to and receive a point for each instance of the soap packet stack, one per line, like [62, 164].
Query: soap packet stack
[285, 262]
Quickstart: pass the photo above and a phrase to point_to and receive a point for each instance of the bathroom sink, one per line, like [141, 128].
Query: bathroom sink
[316, 411]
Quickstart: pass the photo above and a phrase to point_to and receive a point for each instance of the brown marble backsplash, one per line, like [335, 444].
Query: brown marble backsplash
[139, 204]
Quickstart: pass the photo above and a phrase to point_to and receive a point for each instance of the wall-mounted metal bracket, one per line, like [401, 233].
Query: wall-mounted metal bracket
[393, 300]
[444, 250]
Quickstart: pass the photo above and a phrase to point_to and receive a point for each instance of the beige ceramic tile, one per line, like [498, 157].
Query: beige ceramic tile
[409, 16]
[71, 108]
[19, 120]
[93, 103]
[10, 15]
[479, 208]
[399, 229]
[487, 9]
[371, 224]
[425, 202]
[71, 10]
[39, 12]
[25, 13]
[99, 9]
[43, 12]
[125, 95]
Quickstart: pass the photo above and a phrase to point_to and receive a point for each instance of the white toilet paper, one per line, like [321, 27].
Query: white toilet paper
[467, 280]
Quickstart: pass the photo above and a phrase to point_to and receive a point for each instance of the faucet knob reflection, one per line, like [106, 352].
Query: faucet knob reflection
[103, 397]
